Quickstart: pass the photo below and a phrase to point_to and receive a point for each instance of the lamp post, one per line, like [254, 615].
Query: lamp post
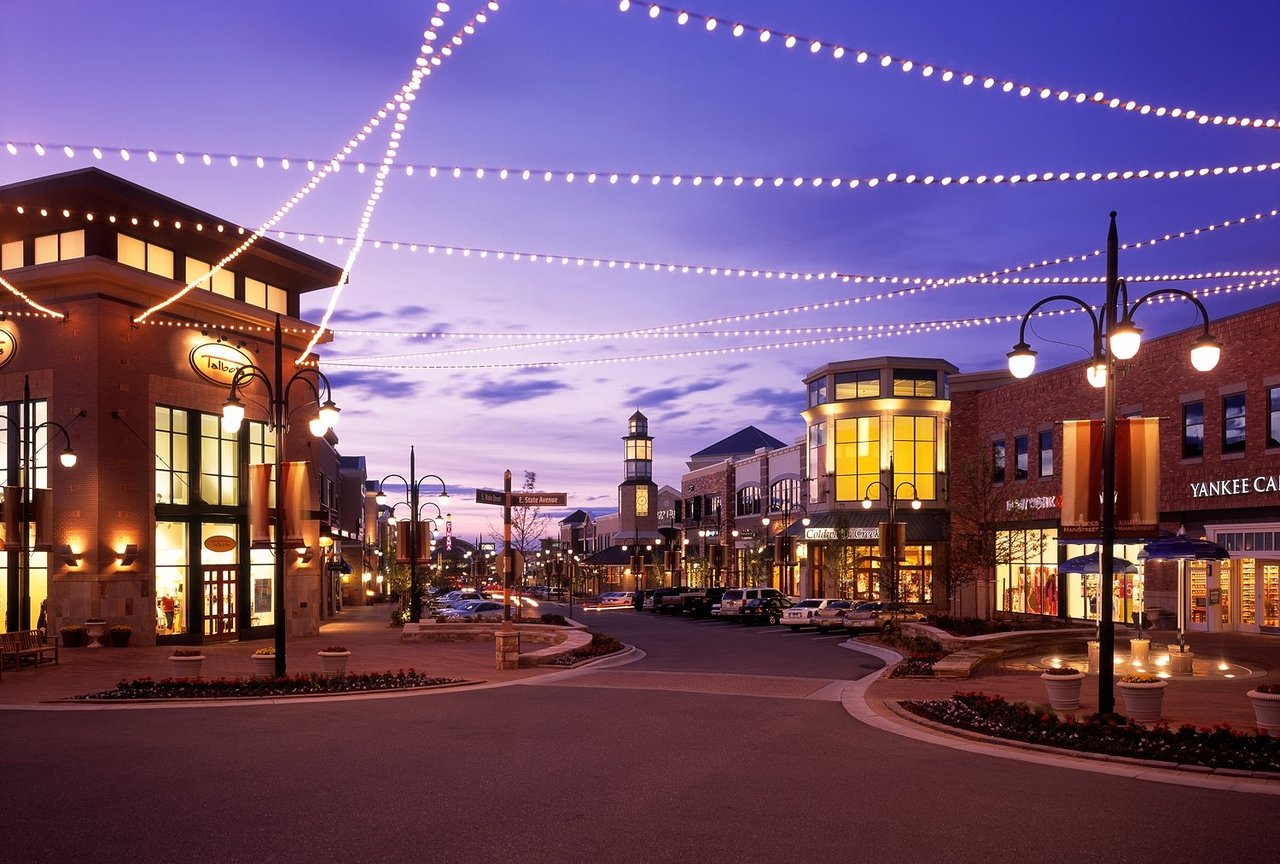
[1114, 338]
[891, 541]
[27, 430]
[787, 515]
[326, 418]
[413, 489]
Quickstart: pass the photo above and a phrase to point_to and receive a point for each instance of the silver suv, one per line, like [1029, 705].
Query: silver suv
[731, 602]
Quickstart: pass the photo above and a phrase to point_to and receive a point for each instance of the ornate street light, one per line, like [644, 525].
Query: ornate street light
[278, 390]
[413, 487]
[1115, 337]
[891, 541]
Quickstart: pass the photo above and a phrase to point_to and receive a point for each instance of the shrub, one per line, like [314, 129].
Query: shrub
[1140, 678]
[1268, 688]
[251, 688]
[1062, 670]
[600, 646]
[187, 652]
[557, 620]
[335, 649]
[266, 651]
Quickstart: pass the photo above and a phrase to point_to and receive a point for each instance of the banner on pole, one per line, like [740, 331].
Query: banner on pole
[1137, 457]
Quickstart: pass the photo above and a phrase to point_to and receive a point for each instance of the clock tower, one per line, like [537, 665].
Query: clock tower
[637, 495]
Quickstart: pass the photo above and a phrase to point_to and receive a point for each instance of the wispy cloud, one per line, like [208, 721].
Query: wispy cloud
[658, 396]
[496, 393]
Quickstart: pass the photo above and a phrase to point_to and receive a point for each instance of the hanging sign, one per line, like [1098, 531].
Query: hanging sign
[8, 346]
[219, 543]
[218, 361]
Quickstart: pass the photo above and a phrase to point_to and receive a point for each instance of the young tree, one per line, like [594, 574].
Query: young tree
[528, 525]
[841, 563]
[978, 510]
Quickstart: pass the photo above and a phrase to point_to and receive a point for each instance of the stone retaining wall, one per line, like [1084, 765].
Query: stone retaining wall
[966, 653]
[558, 640]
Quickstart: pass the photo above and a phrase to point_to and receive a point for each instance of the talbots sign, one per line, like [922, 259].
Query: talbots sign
[218, 361]
[8, 346]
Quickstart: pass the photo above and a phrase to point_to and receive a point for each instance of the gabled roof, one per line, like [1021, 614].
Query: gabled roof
[577, 517]
[741, 443]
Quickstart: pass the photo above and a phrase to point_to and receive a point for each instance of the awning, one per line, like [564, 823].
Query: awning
[1089, 564]
[1183, 548]
[923, 526]
[614, 556]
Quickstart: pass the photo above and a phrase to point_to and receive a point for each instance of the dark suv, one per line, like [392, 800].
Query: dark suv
[699, 602]
[763, 610]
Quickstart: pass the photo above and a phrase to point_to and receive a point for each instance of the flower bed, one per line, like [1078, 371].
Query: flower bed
[600, 646]
[1216, 747]
[257, 688]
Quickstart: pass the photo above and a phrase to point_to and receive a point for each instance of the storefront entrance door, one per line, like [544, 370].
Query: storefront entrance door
[219, 603]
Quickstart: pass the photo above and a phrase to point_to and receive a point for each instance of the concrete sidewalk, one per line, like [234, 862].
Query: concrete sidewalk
[375, 646]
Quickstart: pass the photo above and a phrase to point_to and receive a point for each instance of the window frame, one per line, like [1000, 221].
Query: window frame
[1229, 442]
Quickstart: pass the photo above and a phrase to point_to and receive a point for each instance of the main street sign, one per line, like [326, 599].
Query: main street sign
[486, 496]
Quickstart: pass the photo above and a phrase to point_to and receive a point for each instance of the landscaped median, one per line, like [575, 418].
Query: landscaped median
[566, 642]
[267, 688]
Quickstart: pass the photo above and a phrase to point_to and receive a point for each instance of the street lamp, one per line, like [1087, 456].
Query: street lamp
[413, 488]
[27, 430]
[326, 418]
[891, 530]
[1115, 337]
[786, 559]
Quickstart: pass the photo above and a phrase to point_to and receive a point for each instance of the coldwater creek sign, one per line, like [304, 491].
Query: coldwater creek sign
[1237, 486]
[218, 361]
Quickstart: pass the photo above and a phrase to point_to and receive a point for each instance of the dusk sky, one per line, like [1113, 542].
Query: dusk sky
[580, 86]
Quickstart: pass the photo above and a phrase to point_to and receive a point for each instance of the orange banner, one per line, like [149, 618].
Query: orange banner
[260, 506]
[300, 503]
[1137, 477]
[1081, 480]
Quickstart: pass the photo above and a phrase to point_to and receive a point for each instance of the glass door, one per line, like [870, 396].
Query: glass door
[1269, 593]
[219, 603]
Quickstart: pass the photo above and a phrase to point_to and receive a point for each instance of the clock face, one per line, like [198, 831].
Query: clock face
[642, 501]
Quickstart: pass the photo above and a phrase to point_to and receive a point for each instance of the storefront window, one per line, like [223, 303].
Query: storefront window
[1269, 590]
[857, 456]
[171, 578]
[915, 575]
[1027, 572]
[1083, 592]
[262, 574]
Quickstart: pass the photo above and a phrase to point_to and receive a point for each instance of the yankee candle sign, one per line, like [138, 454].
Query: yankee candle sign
[1238, 486]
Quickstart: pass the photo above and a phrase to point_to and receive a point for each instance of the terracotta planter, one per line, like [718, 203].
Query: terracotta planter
[1266, 710]
[334, 663]
[186, 667]
[1143, 703]
[1063, 690]
[264, 665]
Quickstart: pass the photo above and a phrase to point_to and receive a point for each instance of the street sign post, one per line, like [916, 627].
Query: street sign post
[539, 499]
[506, 499]
[488, 496]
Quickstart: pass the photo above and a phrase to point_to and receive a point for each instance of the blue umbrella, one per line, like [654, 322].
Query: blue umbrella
[1182, 548]
[1089, 564]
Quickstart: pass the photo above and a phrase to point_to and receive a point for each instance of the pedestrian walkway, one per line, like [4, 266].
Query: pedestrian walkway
[365, 631]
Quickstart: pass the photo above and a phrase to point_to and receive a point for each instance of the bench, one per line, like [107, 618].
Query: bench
[27, 646]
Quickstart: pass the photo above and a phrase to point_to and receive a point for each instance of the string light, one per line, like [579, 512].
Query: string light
[8, 286]
[1022, 89]
[704, 180]
[371, 203]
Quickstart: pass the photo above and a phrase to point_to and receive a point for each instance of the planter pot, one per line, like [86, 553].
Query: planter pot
[1266, 710]
[334, 663]
[1139, 651]
[73, 638]
[1064, 690]
[186, 667]
[1143, 703]
[264, 665]
[95, 627]
[119, 638]
[1180, 662]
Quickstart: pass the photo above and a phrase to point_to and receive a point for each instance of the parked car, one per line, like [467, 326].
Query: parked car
[830, 615]
[764, 610]
[801, 614]
[472, 610]
[734, 598]
[655, 601]
[557, 594]
[453, 598]
[875, 614]
[614, 598]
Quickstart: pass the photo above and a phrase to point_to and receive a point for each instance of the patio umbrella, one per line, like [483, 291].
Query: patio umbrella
[1182, 548]
[1089, 564]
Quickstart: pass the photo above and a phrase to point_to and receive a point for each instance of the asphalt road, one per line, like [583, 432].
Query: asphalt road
[724, 743]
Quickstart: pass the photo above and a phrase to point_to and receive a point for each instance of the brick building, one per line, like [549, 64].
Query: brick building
[1219, 467]
[150, 527]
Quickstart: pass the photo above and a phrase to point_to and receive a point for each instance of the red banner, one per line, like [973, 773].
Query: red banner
[260, 506]
[1137, 478]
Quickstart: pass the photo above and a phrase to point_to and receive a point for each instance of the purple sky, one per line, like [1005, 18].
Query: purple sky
[576, 85]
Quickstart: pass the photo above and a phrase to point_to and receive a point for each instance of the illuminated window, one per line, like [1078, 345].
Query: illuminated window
[1027, 571]
[1233, 423]
[857, 456]
[172, 564]
[255, 292]
[997, 461]
[277, 300]
[219, 462]
[921, 383]
[58, 247]
[144, 256]
[262, 451]
[173, 473]
[12, 256]
[915, 455]
[638, 448]
[863, 384]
